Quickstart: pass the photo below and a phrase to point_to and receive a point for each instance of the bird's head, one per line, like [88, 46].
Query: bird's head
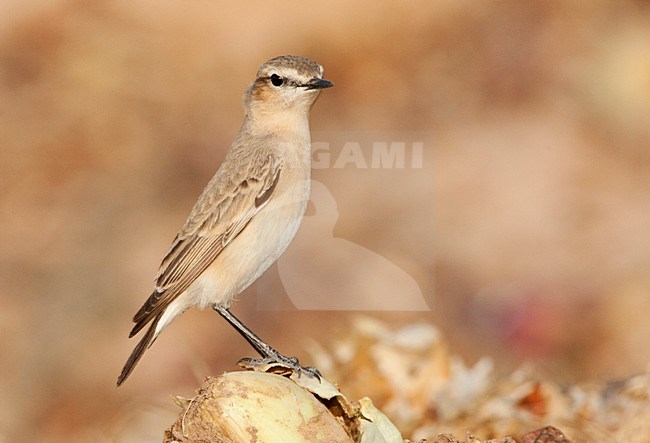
[286, 83]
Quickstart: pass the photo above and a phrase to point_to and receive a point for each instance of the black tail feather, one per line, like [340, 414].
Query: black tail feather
[137, 353]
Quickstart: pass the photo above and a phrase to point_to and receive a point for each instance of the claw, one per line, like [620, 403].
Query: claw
[315, 372]
[275, 362]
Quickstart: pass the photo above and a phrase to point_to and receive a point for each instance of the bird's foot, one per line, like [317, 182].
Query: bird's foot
[279, 363]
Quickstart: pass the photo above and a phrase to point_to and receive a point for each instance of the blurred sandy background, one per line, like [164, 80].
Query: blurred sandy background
[527, 229]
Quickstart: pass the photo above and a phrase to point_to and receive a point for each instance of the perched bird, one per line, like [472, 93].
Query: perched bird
[248, 213]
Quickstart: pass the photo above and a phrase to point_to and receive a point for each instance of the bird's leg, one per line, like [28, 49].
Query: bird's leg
[268, 353]
[257, 343]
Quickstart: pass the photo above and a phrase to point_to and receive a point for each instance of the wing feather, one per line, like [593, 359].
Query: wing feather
[210, 228]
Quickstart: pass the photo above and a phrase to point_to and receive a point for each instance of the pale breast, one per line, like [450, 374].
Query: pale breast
[260, 244]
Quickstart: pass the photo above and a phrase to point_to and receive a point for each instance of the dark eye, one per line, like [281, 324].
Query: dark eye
[276, 80]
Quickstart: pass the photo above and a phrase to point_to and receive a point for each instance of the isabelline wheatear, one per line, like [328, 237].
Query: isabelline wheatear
[248, 213]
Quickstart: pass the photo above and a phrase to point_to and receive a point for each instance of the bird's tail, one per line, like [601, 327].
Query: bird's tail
[137, 353]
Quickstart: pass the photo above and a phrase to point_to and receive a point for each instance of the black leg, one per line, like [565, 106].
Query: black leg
[269, 354]
[257, 343]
